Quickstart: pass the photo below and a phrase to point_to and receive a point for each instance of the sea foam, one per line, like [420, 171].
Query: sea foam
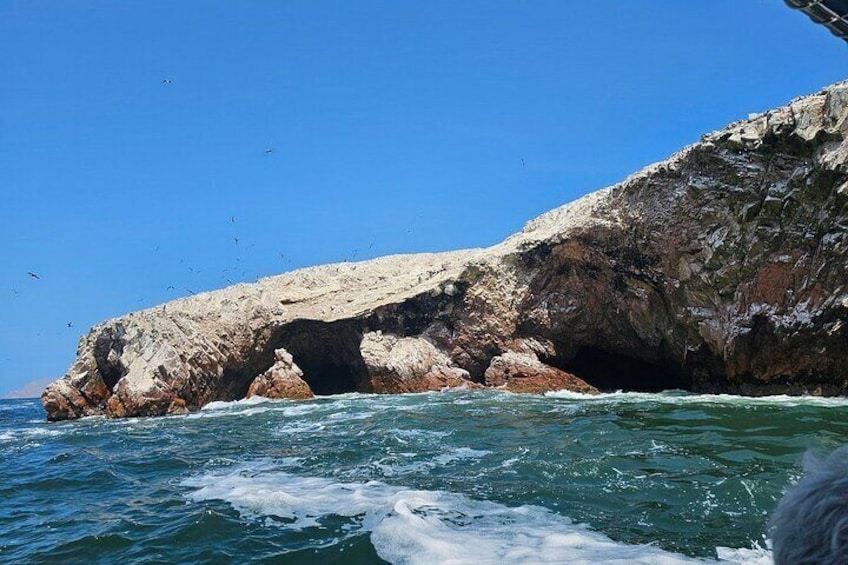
[675, 397]
[412, 527]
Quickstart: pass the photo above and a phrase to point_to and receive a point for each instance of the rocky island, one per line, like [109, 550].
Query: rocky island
[722, 269]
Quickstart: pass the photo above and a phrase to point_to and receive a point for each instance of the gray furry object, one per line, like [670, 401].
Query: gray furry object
[810, 525]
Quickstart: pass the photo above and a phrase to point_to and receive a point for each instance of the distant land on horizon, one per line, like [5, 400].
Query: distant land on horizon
[31, 389]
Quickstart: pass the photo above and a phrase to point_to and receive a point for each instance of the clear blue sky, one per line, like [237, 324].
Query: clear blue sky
[396, 122]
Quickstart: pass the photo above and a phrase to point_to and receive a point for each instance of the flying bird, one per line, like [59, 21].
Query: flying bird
[33, 275]
[233, 220]
[236, 240]
[167, 81]
[191, 292]
[70, 324]
[170, 287]
[522, 162]
[269, 150]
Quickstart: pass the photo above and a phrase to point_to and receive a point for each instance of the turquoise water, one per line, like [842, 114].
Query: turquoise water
[460, 477]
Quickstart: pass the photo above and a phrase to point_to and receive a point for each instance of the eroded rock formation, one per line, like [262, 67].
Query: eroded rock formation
[407, 364]
[523, 372]
[721, 269]
[283, 380]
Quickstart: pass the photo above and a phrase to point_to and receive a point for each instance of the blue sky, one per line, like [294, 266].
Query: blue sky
[411, 126]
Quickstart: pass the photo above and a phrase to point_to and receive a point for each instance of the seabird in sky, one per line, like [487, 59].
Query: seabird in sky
[269, 150]
[33, 275]
[167, 81]
[70, 324]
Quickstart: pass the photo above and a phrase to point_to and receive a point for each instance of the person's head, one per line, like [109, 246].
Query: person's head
[810, 524]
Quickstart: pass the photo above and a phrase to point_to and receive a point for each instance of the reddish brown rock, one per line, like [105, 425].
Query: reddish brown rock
[83, 393]
[523, 372]
[283, 380]
[177, 407]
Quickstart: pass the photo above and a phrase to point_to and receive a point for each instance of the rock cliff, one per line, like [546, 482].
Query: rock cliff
[721, 269]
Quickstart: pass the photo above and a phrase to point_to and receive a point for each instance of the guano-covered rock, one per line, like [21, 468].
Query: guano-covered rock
[721, 269]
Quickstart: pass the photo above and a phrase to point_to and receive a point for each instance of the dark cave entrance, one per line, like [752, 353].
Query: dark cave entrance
[327, 353]
[609, 372]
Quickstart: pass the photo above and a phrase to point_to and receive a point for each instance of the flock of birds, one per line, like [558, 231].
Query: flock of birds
[268, 151]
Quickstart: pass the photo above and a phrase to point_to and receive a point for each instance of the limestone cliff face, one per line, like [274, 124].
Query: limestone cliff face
[721, 269]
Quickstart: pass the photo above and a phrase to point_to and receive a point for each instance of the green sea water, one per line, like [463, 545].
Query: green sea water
[454, 477]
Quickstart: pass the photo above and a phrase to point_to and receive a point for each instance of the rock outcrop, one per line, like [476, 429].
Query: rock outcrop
[283, 380]
[721, 269]
[407, 364]
[523, 372]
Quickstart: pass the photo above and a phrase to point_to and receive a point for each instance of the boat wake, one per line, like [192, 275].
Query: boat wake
[412, 527]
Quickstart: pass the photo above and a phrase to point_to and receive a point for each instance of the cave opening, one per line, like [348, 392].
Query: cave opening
[327, 353]
[110, 367]
[610, 372]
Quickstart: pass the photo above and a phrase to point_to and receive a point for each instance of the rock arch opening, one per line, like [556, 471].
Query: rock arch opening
[609, 372]
[327, 353]
[108, 348]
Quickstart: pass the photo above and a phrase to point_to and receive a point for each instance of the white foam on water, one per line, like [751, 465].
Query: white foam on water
[302, 501]
[350, 416]
[508, 463]
[229, 404]
[412, 527]
[26, 434]
[684, 398]
[754, 556]
[391, 467]
[27, 438]
[298, 427]
[252, 406]
[416, 434]
[460, 454]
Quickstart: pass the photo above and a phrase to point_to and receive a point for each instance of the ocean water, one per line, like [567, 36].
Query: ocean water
[476, 477]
